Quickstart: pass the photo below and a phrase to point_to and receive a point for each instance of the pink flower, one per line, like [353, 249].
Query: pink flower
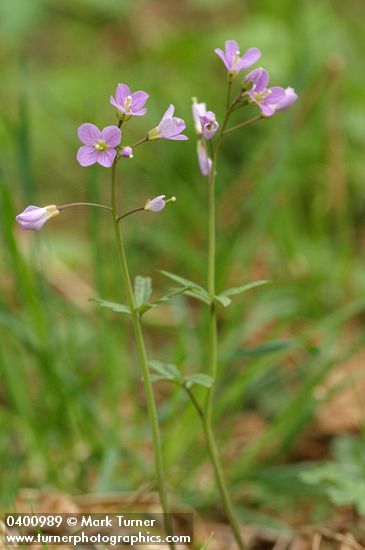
[205, 163]
[204, 121]
[209, 124]
[129, 104]
[34, 217]
[233, 60]
[99, 146]
[268, 99]
[170, 127]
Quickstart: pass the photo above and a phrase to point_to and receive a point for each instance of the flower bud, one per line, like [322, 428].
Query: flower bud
[158, 203]
[127, 152]
[34, 217]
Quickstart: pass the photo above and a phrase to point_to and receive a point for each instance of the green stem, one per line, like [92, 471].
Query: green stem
[137, 326]
[243, 124]
[130, 212]
[72, 204]
[213, 346]
[219, 476]
[229, 88]
[143, 140]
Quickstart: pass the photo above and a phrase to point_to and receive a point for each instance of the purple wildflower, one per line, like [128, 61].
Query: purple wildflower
[266, 98]
[34, 217]
[128, 104]
[290, 98]
[127, 152]
[233, 60]
[170, 127]
[205, 163]
[99, 146]
[209, 124]
[158, 203]
[204, 121]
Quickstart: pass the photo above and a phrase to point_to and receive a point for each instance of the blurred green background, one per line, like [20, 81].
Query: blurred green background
[291, 209]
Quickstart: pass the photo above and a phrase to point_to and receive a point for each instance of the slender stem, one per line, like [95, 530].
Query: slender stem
[137, 326]
[194, 401]
[143, 140]
[229, 88]
[72, 204]
[243, 124]
[129, 213]
[213, 342]
[214, 457]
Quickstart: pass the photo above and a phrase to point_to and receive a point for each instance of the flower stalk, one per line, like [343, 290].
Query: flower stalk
[206, 417]
[141, 348]
[253, 92]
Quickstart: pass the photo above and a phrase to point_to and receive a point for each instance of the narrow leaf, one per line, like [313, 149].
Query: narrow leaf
[198, 379]
[119, 308]
[142, 290]
[165, 371]
[224, 300]
[199, 294]
[181, 280]
[272, 346]
[162, 300]
[244, 288]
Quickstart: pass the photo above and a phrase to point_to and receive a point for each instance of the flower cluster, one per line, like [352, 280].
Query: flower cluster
[105, 147]
[254, 91]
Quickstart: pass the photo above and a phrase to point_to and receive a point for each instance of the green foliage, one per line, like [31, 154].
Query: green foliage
[343, 479]
[191, 289]
[171, 373]
[165, 372]
[224, 299]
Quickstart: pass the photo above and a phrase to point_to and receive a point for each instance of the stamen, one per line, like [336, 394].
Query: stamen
[101, 146]
[127, 103]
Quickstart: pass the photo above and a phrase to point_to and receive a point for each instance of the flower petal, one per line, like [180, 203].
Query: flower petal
[290, 98]
[88, 133]
[171, 126]
[106, 158]
[249, 58]
[277, 95]
[114, 102]
[199, 109]
[86, 155]
[140, 112]
[138, 100]
[121, 93]
[205, 163]
[259, 77]
[169, 112]
[221, 54]
[267, 110]
[156, 204]
[179, 137]
[111, 135]
[232, 49]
